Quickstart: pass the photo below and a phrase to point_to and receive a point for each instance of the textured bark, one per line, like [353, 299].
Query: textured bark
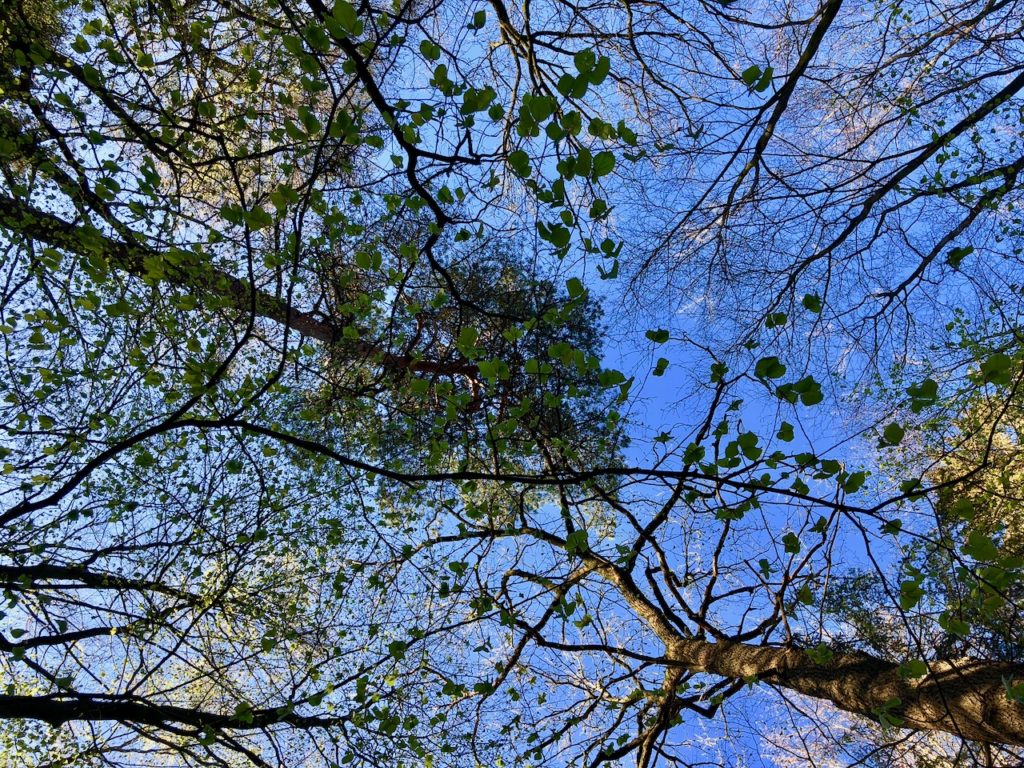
[967, 698]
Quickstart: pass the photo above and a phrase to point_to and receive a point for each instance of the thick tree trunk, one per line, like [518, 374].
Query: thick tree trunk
[967, 698]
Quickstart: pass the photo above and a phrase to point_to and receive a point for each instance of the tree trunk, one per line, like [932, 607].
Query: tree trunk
[967, 698]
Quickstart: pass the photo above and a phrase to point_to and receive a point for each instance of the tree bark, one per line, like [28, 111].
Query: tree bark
[967, 698]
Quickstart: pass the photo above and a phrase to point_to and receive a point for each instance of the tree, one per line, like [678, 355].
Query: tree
[310, 452]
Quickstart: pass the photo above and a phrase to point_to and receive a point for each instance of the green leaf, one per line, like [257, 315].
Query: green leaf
[452, 688]
[493, 370]
[886, 713]
[604, 163]
[764, 82]
[258, 218]
[519, 161]
[610, 377]
[996, 369]
[892, 435]
[785, 432]
[572, 123]
[430, 50]
[769, 368]
[585, 60]
[981, 547]
[1014, 691]
[829, 467]
[751, 74]
[806, 390]
[584, 162]
[892, 527]
[484, 687]
[309, 120]
[820, 654]
[923, 395]
[963, 508]
[791, 543]
[659, 336]
[555, 234]
[954, 625]
[119, 308]
[467, 339]
[811, 394]
[601, 129]
[397, 649]
[145, 460]
[854, 482]
[694, 453]
[597, 75]
[911, 593]
[812, 302]
[478, 21]
[913, 669]
[577, 542]
[747, 443]
[542, 107]
[958, 254]
[344, 14]
[912, 488]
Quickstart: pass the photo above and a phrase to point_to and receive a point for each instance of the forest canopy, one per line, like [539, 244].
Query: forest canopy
[600, 383]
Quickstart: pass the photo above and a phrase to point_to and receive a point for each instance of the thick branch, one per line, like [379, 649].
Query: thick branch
[16, 577]
[64, 708]
[138, 260]
[967, 698]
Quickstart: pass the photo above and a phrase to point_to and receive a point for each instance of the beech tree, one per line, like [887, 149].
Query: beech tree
[313, 449]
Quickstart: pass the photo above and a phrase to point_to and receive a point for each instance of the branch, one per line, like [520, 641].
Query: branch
[64, 708]
[138, 260]
[967, 697]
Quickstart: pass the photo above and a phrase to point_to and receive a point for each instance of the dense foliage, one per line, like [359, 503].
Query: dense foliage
[423, 383]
